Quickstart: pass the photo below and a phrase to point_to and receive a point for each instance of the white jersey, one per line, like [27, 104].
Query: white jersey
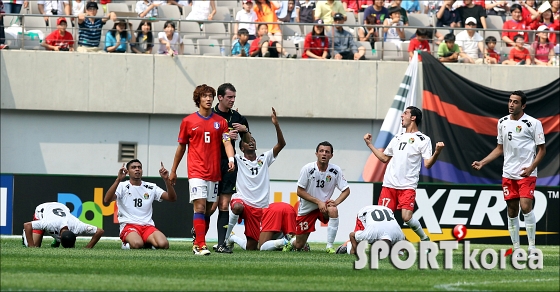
[53, 216]
[519, 139]
[407, 151]
[253, 182]
[319, 184]
[135, 202]
[379, 224]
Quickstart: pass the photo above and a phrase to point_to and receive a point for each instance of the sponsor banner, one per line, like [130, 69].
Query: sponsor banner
[285, 191]
[6, 199]
[482, 209]
[84, 197]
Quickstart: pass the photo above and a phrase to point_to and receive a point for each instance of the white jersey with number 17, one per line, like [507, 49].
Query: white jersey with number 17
[379, 224]
[253, 182]
[135, 202]
[319, 184]
[407, 151]
[519, 139]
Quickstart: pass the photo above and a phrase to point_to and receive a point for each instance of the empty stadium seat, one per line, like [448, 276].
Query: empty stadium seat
[208, 47]
[169, 11]
[215, 31]
[117, 7]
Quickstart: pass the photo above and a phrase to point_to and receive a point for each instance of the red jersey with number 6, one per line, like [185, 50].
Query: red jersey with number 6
[205, 136]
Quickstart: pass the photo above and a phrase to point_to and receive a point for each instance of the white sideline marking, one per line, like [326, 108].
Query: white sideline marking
[457, 286]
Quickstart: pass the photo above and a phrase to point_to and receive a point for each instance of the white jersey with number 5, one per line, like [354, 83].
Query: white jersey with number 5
[135, 202]
[53, 216]
[253, 182]
[519, 139]
[407, 151]
[379, 224]
[319, 184]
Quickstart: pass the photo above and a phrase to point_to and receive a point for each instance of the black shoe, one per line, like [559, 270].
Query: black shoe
[342, 249]
[223, 249]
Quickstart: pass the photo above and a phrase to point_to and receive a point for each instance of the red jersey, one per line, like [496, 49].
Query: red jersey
[204, 137]
[512, 24]
[56, 39]
[518, 56]
[317, 45]
[493, 54]
[415, 45]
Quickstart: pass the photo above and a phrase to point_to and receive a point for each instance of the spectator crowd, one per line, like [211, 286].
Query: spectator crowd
[520, 32]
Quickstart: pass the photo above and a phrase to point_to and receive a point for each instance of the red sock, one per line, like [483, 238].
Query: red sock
[199, 229]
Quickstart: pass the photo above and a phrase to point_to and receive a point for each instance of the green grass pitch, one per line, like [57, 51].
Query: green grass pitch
[107, 267]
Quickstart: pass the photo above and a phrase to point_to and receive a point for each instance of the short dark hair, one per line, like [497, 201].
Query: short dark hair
[226, 86]
[131, 162]
[522, 95]
[68, 239]
[514, 7]
[324, 143]
[422, 32]
[518, 36]
[449, 37]
[394, 9]
[490, 39]
[242, 31]
[415, 112]
[169, 22]
[199, 91]
[261, 24]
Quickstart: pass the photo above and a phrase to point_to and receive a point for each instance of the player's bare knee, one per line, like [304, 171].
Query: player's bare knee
[332, 212]
[406, 216]
[237, 209]
[136, 244]
[223, 202]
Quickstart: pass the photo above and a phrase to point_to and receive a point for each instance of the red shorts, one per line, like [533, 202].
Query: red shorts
[359, 225]
[37, 231]
[143, 230]
[252, 217]
[397, 199]
[279, 217]
[306, 223]
[515, 189]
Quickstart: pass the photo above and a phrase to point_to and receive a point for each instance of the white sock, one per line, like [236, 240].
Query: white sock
[240, 241]
[530, 228]
[232, 221]
[417, 228]
[125, 246]
[273, 244]
[332, 229]
[513, 227]
[348, 247]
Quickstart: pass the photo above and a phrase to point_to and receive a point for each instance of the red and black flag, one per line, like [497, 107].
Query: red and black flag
[464, 115]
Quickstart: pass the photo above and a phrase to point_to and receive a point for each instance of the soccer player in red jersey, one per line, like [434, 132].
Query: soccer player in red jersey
[204, 131]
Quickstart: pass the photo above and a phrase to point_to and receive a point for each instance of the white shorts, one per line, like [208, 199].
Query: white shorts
[202, 189]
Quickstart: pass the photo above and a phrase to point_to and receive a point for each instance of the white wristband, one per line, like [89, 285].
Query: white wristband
[231, 159]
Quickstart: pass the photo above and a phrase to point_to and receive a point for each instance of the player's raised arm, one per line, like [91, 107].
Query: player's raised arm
[110, 194]
[95, 238]
[279, 136]
[170, 194]
[428, 163]
[230, 154]
[181, 148]
[497, 152]
[379, 154]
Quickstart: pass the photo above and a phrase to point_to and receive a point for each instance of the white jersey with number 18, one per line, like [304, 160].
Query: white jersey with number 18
[135, 202]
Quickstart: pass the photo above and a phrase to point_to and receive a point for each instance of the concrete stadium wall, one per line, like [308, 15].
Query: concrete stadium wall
[154, 84]
[65, 113]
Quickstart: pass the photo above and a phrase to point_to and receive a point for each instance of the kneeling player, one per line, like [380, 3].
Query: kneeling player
[374, 223]
[56, 219]
[134, 201]
[278, 226]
